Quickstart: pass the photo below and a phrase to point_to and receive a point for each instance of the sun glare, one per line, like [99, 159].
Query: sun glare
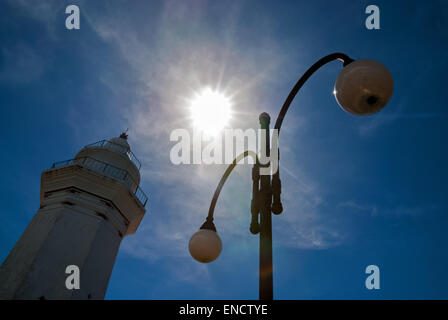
[211, 111]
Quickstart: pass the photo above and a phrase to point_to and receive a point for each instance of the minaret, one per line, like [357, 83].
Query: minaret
[87, 205]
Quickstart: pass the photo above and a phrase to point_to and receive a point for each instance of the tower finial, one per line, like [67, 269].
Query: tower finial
[124, 134]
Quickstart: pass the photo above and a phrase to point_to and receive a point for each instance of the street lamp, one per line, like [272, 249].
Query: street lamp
[363, 87]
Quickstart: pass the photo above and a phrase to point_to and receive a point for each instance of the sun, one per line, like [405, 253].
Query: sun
[210, 111]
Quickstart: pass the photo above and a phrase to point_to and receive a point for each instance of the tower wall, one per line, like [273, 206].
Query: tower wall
[62, 233]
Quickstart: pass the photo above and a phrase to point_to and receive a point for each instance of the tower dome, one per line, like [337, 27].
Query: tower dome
[114, 158]
[122, 142]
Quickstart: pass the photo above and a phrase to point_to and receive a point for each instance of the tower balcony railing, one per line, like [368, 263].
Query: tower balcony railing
[110, 171]
[116, 147]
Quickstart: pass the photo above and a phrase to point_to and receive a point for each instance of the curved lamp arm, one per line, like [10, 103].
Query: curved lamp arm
[277, 206]
[331, 57]
[208, 224]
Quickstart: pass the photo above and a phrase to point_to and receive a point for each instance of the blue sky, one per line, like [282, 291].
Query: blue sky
[356, 190]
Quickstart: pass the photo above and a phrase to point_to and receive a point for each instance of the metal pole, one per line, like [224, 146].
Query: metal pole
[266, 282]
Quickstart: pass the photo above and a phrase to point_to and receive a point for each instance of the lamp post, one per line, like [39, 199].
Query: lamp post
[363, 87]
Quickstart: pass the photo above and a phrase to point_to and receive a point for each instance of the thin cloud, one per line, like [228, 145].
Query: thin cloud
[168, 68]
[396, 211]
[381, 120]
[49, 12]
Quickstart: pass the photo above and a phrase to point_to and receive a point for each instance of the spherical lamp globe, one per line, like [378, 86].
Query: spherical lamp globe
[363, 87]
[205, 245]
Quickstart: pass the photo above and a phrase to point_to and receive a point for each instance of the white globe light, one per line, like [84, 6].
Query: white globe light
[205, 245]
[363, 87]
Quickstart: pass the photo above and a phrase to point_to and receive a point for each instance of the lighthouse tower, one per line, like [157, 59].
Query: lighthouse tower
[87, 205]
